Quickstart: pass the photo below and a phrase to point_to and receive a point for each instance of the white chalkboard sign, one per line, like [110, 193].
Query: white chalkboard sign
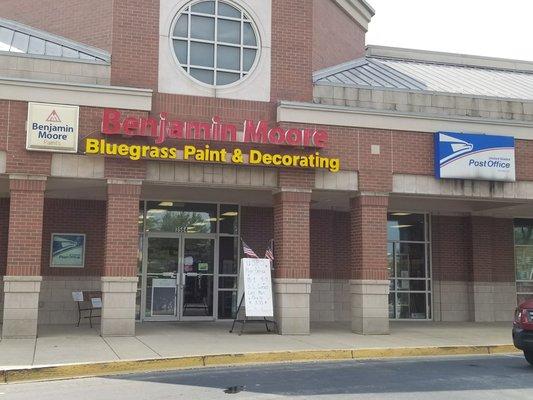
[257, 285]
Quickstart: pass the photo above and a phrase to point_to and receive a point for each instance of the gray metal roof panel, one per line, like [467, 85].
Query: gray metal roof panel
[22, 39]
[412, 75]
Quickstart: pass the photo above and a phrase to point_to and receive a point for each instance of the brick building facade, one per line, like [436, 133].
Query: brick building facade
[379, 239]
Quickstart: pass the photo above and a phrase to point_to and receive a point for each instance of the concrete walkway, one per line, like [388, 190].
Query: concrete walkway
[60, 344]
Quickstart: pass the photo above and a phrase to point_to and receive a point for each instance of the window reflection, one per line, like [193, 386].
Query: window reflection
[406, 227]
[229, 219]
[181, 217]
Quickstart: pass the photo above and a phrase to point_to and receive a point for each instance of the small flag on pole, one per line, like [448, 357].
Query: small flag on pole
[269, 253]
[248, 250]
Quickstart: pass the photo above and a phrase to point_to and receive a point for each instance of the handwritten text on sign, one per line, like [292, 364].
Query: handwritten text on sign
[257, 287]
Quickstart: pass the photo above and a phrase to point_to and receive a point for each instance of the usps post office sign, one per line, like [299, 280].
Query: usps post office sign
[52, 127]
[474, 156]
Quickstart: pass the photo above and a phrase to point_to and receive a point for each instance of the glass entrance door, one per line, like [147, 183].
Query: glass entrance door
[162, 271]
[198, 278]
[180, 277]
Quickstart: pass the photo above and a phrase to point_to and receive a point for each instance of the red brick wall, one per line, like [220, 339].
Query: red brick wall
[405, 145]
[296, 179]
[329, 254]
[292, 42]
[86, 21]
[451, 248]
[25, 227]
[330, 245]
[524, 160]
[291, 234]
[336, 36]
[190, 108]
[4, 107]
[492, 250]
[368, 237]
[375, 170]
[4, 233]
[122, 237]
[135, 43]
[75, 216]
[124, 168]
[475, 249]
[18, 159]
[257, 227]
[503, 263]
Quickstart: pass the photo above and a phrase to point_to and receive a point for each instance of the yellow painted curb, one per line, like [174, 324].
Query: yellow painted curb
[99, 369]
[177, 363]
[278, 356]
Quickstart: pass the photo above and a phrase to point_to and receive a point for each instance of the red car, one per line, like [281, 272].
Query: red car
[523, 329]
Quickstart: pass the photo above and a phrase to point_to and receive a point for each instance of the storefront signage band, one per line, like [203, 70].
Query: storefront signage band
[206, 154]
[252, 132]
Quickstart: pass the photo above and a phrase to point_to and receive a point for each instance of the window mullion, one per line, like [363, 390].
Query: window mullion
[215, 59]
[188, 43]
[218, 78]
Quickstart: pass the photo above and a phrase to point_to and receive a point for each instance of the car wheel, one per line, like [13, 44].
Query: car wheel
[529, 356]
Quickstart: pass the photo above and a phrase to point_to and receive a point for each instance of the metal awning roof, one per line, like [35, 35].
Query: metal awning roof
[22, 39]
[439, 77]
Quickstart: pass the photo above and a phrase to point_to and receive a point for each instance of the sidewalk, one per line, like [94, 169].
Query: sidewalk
[59, 344]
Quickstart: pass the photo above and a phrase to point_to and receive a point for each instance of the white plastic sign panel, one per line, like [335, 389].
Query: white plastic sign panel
[52, 127]
[77, 296]
[474, 156]
[96, 302]
[257, 287]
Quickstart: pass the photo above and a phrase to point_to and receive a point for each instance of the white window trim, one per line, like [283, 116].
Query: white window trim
[254, 87]
[241, 46]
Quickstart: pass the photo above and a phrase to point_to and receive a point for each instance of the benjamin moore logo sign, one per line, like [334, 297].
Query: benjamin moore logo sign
[52, 127]
[470, 156]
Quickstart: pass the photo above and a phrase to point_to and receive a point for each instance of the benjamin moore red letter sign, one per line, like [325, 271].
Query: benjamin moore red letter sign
[163, 129]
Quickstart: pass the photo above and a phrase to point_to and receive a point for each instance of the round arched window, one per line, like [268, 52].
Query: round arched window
[215, 42]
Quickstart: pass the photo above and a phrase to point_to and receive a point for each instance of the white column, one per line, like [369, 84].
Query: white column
[370, 307]
[291, 305]
[118, 312]
[21, 306]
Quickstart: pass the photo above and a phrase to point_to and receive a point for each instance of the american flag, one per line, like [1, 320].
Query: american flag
[248, 250]
[269, 253]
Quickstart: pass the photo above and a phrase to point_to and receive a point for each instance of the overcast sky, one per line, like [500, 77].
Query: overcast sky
[496, 28]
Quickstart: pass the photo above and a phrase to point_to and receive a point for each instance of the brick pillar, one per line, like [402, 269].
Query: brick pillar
[492, 278]
[22, 282]
[292, 283]
[119, 280]
[370, 280]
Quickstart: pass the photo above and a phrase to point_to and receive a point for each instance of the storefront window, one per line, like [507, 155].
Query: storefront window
[523, 239]
[408, 265]
[229, 219]
[168, 216]
[228, 267]
[188, 260]
[406, 227]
